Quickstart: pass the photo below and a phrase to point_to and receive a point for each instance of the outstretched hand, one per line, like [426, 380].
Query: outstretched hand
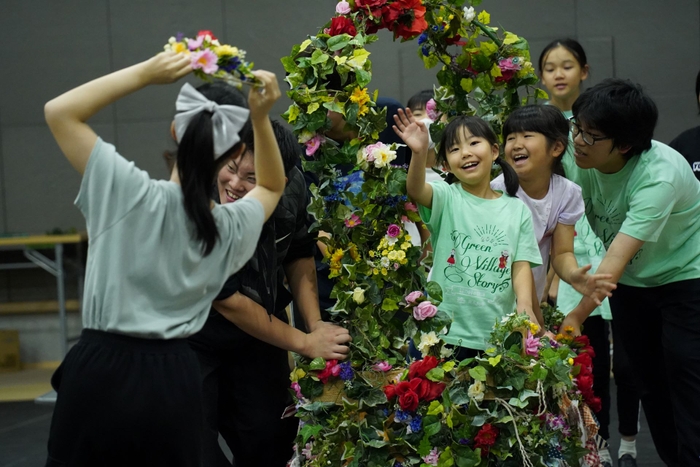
[262, 97]
[166, 67]
[327, 341]
[413, 132]
[595, 286]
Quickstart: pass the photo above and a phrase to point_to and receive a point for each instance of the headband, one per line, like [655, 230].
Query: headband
[227, 120]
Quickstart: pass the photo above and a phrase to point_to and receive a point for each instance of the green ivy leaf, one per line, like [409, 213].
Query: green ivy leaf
[317, 364]
[310, 430]
[436, 374]
[338, 42]
[478, 373]
[434, 291]
[389, 305]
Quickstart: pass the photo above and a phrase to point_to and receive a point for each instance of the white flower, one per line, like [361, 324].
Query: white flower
[427, 341]
[383, 156]
[446, 352]
[469, 14]
[215, 42]
[385, 262]
[358, 295]
[476, 391]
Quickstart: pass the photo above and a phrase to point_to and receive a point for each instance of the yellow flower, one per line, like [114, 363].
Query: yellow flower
[226, 51]
[375, 271]
[406, 238]
[337, 255]
[384, 272]
[297, 374]
[405, 246]
[534, 329]
[359, 96]
[392, 255]
[403, 261]
[371, 253]
[358, 295]
[385, 253]
[180, 47]
[400, 255]
[569, 329]
[571, 361]
[354, 254]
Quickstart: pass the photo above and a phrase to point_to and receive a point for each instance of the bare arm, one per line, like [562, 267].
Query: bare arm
[415, 135]
[523, 286]
[326, 342]
[68, 113]
[621, 251]
[301, 275]
[269, 171]
[594, 286]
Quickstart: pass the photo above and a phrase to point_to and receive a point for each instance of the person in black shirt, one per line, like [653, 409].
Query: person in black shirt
[688, 142]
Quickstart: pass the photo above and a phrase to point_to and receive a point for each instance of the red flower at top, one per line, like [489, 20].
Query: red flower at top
[205, 32]
[342, 25]
[372, 6]
[405, 18]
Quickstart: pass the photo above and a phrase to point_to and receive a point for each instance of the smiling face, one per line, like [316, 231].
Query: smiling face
[530, 154]
[562, 75]
[470, 159]
[236, 178]
[603, 155]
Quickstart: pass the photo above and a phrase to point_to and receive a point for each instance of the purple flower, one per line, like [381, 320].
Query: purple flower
[416, 424]
[346, 371]
[426, 50]
[297, 390]
[393, 231]
[422, 38]
[401, 416]
[179, 36]
[432, 458]
[464, 441]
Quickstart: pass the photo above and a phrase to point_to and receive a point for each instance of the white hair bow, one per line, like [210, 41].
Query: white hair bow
[227, 120]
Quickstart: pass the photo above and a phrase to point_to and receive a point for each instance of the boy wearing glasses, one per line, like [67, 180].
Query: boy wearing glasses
[643, 201]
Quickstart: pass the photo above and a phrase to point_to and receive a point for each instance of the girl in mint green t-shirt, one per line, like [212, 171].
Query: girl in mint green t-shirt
[483, 241]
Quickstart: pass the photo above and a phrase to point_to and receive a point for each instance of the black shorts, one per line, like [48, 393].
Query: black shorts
[126, 401]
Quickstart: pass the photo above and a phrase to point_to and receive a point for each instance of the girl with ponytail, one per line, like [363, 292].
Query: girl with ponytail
[536, 137]
[159, 253]
[482, 239]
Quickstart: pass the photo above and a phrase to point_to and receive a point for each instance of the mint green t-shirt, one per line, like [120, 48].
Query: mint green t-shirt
[654, 198]
[475, 242]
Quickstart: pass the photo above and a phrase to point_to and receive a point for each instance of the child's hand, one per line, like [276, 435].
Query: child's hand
[166, 67]
[327, 341]
[595, 286]
[412, 132]
[261, 98]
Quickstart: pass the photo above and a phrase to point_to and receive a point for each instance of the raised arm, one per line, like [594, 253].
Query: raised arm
[269, 170]
[415, 135]
[68, 113]
[326, 341]
[523, 286]
[594, 286]
[621, 251]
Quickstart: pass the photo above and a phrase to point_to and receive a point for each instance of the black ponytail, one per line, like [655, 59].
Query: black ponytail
[510, 178]
[197, 166]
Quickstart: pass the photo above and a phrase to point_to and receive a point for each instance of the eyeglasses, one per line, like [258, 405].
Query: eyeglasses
[587, 138]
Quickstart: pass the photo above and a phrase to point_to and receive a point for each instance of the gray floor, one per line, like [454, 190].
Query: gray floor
[24, 430]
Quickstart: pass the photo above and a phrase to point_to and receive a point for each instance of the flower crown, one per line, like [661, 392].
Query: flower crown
[211, 59]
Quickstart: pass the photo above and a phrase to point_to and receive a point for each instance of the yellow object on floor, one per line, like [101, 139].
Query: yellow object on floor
[25, 385]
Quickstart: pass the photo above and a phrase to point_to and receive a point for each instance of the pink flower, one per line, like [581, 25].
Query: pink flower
[424, 310]
[381, 366]
[313, 144]
[413, 296]
[297, 390]
[342, 8]
[194, 44]
[432, 458]
[307, 451]
[431, 110]
[532, 345]
[352, 221]
[205, 61]
[393, 231]
[508, 66]
[410, 207]
[396, 266]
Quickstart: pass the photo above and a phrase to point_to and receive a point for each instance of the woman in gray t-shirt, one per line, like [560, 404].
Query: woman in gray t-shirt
[159, 253]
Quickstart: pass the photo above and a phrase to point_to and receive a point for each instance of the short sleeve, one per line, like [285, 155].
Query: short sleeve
[433, 215]
[649, 209]
[110, 188]
[527, 249]
[231, 286]
[572, 204]
[243, 220]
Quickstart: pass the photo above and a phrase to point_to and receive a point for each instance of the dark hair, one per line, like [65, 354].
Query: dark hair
[544, 119]
[479, 128]
[420, 99]
[620, 110]
[196, 164]
[290, 148]
[569, 44]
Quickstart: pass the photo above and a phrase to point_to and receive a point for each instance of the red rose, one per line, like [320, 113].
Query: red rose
[390, 391]
[584, 382]
[430, 390]
[595, 404]
[205, 32]
[342, 25]
[407, 386]
[582, 341]
[409, 401]
[372, 6]
[419, 368]
[332, 369]
[486, 438]
[585, 361]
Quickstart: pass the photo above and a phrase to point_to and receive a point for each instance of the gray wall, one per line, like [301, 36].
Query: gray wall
[50, 46]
